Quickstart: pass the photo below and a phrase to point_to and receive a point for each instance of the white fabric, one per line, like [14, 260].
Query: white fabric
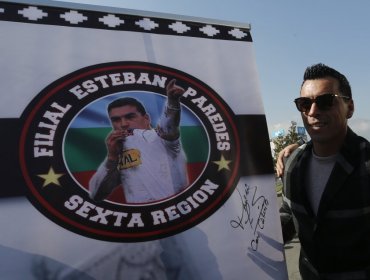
[162, 171]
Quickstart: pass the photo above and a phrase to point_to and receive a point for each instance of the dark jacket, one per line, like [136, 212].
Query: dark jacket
[335, 244]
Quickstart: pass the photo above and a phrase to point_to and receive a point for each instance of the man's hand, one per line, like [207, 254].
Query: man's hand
[174, 92]
[284, 153]
[114, 142]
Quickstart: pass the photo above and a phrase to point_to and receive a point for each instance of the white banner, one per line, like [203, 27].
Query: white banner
[177, 185]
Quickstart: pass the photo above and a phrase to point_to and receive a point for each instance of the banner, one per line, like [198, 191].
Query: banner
[134, 146]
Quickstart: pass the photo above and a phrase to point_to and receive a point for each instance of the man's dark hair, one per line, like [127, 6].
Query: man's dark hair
[127, 101]
[319, 71]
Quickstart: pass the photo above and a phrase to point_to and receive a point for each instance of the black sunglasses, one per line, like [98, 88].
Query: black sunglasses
[323, 102]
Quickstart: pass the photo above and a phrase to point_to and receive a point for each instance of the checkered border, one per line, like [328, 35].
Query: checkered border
[39, 14]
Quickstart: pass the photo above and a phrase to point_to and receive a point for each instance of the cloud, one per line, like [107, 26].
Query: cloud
[361, 127]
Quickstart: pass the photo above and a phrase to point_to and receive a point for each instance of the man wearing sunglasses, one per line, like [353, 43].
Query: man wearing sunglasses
[326, 194]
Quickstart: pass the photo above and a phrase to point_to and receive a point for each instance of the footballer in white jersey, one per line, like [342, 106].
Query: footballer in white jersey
[148, 163]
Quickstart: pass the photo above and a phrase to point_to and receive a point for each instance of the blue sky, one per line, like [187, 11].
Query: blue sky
[288, 36]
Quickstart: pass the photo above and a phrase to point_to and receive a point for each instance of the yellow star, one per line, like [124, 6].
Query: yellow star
[51, 177]
[222, 163]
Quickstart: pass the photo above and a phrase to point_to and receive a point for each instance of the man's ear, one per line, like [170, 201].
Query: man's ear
[351, 109]
[147, 119]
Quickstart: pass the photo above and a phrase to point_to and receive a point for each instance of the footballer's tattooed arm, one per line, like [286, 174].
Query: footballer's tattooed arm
[105, 180]
[168, 128]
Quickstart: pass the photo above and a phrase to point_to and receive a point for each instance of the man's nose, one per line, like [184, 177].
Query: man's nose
[314, 110]
[124, 123]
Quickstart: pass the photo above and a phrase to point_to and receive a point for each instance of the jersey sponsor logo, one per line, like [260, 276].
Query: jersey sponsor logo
[63, 143]
[129, 158]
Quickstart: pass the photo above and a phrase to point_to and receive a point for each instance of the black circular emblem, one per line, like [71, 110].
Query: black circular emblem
[63, 144]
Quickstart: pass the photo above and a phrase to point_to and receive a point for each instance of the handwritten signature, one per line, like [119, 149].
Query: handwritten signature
[253, 213]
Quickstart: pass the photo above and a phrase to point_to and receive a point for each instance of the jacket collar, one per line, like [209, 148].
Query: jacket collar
[344, 165]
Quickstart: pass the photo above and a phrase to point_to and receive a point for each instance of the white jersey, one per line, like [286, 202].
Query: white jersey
[151, 168]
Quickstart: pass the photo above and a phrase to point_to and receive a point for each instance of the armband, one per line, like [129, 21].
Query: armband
[173, 107]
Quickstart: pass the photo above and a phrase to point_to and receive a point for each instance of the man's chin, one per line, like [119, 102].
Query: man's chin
[317, 134]
[324, 138]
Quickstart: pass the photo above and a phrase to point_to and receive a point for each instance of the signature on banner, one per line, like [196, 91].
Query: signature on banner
[252, 214]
